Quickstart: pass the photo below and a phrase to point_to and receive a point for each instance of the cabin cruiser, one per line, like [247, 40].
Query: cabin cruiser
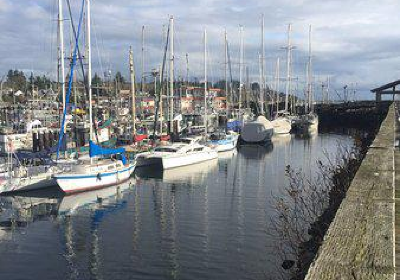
[257, 131]
[185, 151]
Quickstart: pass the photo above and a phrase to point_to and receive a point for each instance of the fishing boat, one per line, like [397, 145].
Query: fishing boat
[186, 151]
[258, 131]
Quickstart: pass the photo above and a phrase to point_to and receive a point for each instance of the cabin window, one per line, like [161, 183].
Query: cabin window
[198, 149]
[187, 141]
[165, 149]
[110, 167]
[189, 151]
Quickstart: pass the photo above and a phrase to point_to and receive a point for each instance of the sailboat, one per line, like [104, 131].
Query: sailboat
[309, 121]
[96, 172]
[26, 171]
[219, 141]
[261, 129]
[283, 121]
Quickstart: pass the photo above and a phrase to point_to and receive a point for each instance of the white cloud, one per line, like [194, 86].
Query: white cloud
[352, 40]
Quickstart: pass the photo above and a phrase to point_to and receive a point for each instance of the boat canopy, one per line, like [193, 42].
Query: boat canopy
[95, 150]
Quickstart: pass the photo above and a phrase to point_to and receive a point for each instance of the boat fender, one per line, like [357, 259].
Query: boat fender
[99, 176]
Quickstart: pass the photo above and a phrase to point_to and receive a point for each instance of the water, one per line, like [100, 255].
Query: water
[206, 221]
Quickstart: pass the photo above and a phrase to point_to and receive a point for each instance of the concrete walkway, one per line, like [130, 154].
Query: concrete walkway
[360, 241]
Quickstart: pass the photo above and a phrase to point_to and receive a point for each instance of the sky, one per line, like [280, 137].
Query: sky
[355, 43]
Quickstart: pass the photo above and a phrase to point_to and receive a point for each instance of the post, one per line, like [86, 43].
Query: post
[132, 72]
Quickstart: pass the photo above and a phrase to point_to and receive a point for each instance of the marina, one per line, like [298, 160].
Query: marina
[149, 140]
[183, 222]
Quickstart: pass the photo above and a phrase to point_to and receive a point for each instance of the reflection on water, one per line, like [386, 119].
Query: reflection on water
[205, 221]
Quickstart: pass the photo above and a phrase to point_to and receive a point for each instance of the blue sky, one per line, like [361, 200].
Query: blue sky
[353, 41]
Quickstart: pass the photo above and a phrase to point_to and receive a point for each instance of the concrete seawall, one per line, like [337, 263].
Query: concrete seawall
[360, 242]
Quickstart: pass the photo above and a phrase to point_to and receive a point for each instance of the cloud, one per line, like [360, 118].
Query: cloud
[353, 41]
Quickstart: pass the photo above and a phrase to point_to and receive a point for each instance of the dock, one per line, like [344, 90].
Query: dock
[362, 242]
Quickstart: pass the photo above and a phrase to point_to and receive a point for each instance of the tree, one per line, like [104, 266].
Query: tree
[96, 80]
[119, 78]
[16, 80]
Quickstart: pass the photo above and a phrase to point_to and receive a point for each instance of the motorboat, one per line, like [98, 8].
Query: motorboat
[257, 131]
[222, 142]
[185, 151]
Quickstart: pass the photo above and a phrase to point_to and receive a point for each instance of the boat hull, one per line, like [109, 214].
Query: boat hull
[281, 126]
[225, 145]
[28, 184]
[177, 160]
[259, 131]
[83, 182]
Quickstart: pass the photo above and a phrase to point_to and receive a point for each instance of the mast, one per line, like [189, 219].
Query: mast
[89, 73]
[205, 80]
[142, 79]
[226, 71]
[132, 72]
[240, 68]
[247, 87]
[171, 72]
[262, 87]
[288, 61]
[327, 90]
[309, 75]
[62, 55]
[277, 84]
[187, 70]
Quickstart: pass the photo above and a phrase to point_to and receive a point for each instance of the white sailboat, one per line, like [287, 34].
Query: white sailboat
[25, 177]
[309, 121]
[283, 122]
[96, 172]
[261, 129]
[19, 177]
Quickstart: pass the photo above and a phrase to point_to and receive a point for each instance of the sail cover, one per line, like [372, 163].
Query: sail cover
[95, 150]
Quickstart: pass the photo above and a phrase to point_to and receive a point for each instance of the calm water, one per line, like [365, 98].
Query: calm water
[207, 221]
